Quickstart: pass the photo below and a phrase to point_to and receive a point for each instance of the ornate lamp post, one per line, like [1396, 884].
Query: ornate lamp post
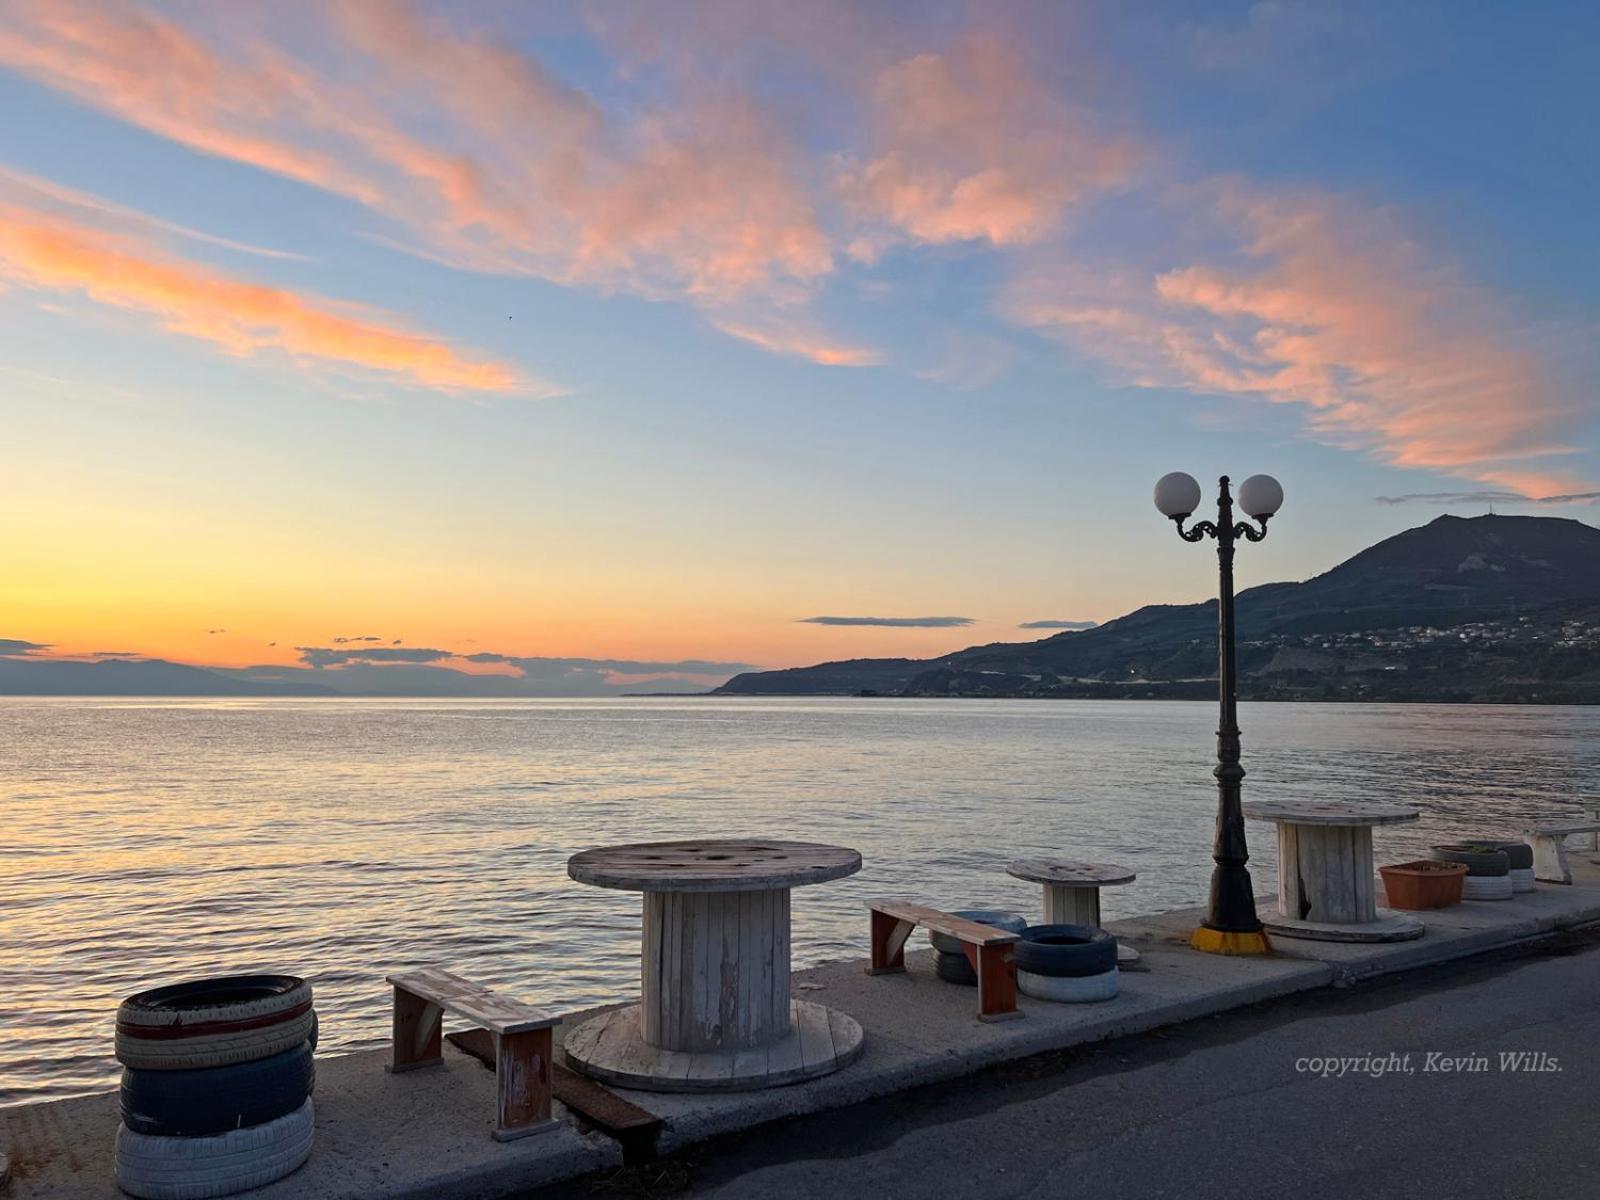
[1231, 925]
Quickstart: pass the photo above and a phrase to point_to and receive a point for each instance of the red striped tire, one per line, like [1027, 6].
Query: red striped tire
[214, 1022]
[198, 1168]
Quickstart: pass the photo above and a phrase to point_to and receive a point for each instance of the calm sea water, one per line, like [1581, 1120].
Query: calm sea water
[146, 841]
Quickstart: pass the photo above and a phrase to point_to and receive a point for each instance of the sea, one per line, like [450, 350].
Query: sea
[146, 841]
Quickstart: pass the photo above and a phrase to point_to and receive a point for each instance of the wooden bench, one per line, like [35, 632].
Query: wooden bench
[991, 951]
[1549, 844]
[522, 1034]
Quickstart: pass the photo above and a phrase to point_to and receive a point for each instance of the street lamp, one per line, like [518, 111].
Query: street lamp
[1231, 925]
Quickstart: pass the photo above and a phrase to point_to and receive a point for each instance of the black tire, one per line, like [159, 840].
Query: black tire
[198, 1103]
[214, 1022]
[159, 1168]
[1519, 853]
[954, 968]
[1066, 951]
[998, 917]
[1480, 861]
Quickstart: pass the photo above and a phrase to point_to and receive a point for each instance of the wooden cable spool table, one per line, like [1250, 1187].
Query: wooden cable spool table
[1326, 883]
[715, 1011]
[1072, 891]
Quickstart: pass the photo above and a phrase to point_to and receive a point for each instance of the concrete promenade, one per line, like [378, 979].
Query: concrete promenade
[426, 1134]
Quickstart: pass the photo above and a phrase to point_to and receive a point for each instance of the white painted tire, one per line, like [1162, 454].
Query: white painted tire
[1486, 887]
[1521, 879]
[198, 1168]
[213, 1050]
[1080, 989]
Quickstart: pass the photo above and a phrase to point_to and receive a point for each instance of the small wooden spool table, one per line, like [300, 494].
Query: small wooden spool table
[1072, 891]
[715, 1012]
[1326, 885]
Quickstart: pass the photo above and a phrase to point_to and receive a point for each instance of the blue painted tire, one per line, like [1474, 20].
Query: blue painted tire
[198, 1103]
[1066, 951]
[998, 917]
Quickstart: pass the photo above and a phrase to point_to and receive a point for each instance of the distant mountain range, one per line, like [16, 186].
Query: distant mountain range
[1487, 608]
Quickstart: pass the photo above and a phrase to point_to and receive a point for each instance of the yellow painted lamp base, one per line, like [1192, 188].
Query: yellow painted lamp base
[1217, 941]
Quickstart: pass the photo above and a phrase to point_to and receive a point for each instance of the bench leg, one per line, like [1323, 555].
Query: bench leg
[522, 1084]
[417, 1040]
[1550, 859]
[997, 982]
[889, 936]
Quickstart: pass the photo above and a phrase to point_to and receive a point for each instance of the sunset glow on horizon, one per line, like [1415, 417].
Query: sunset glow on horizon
[654, 343]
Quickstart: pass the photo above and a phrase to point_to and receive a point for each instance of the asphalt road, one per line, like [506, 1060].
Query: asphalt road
[1229, 1106]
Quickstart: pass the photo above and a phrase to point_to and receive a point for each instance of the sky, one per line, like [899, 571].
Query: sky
[626, 342]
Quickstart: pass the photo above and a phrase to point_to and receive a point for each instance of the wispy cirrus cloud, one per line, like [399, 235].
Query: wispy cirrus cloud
[1488, 497]
[891, 622]
[1319, 303]
[46, 249]
[800, 339]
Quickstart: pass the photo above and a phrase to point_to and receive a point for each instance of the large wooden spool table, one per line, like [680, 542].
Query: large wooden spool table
[715, 1013]
[1072, 891]
[1327, 888]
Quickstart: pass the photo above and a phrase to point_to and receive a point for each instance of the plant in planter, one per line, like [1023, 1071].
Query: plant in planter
[1423, 884]
[1488, 869]
[1073, 964]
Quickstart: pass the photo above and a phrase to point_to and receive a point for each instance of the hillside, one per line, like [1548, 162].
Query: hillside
[1474, 608]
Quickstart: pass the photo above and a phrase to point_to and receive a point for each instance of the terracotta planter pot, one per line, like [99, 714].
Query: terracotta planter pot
[1423, 884]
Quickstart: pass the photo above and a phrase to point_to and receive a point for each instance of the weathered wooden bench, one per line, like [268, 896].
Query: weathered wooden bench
[522, 1034]
[1549, 844]
[991, 951]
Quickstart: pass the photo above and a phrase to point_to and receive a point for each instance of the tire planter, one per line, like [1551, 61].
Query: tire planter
[1520, 856]
[998, 917]
[196, 1103]
[1066, 951]
[1424, 884]
[1482, 861]
[214, 1022]
[1486, 887]
[1071, 989]
[954, 968]
[196, 1168]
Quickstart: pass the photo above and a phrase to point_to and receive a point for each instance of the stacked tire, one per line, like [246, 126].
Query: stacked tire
[951, 965]
[1069, 964]
[1520, 857]
[216, 1086]
[1488, 868]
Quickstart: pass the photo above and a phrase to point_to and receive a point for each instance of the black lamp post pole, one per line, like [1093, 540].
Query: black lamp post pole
[1231, 913]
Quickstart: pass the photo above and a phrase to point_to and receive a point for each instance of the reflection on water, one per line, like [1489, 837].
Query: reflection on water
[341, 839]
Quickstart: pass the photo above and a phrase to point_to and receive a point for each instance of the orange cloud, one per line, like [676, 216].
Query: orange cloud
[975, 147]
[1334, 308]
[798, 339]
[487, 159]
[43, 250]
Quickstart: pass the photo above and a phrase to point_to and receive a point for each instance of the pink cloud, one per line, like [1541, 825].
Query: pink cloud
[799, 338]
[973, 146]
[46, 250]
[484, 157]
[1333, 307]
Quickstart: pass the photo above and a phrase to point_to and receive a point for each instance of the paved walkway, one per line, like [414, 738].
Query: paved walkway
[1218, 1108]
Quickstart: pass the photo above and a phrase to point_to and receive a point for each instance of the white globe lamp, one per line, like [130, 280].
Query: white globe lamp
[1177, 495]
[1260, 496]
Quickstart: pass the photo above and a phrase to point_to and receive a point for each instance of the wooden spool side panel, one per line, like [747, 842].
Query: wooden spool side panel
[716, 969]
[1071, 905]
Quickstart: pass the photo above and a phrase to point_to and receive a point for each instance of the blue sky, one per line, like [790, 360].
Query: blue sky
[576, 333]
